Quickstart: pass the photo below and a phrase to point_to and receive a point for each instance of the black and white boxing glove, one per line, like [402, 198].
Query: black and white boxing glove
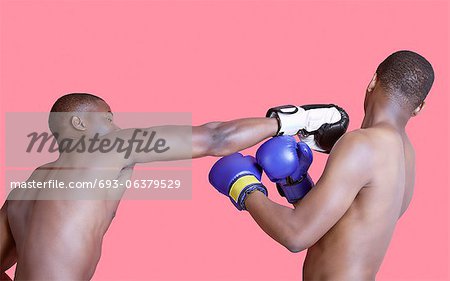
[318, 125]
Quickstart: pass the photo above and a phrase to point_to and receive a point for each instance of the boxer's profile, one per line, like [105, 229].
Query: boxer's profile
[62, 239]
[347, 219]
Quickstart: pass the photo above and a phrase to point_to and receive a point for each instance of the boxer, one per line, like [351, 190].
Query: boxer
[347, 219]
[62, 239]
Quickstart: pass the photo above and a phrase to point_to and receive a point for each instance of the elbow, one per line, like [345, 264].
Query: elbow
[295, 246]
[296, 242]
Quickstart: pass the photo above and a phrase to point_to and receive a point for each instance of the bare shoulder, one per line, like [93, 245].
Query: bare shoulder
[351, 163]
[372, 139]
[357, 142]
[356, 149]
[383, 134]
[354, 152]
[409, 148]
[47, 166]
[373, 146]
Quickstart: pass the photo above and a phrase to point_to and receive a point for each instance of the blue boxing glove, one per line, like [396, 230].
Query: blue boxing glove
[237, 176]
[286, 163]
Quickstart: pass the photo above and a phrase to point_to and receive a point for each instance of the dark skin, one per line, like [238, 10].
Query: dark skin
[8, 254]
[39, 234]
[347, 220]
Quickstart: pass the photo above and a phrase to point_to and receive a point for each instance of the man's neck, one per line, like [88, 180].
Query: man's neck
[383, 111]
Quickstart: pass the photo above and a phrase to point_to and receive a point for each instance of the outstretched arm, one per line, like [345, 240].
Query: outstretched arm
[224, 138]
[346, 172]
[211, 139]
[8, 256]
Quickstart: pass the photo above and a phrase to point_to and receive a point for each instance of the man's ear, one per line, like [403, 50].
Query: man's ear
[372, 83]
[418, 109]
[77, 123]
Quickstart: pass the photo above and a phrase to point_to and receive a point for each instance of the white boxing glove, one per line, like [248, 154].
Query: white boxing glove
[318, 125]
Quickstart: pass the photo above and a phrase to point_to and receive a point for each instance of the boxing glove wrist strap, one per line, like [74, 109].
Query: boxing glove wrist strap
[242, 187]
[296, 190]
[291, 119]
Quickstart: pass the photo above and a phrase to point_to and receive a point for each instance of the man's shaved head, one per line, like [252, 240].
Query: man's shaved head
[74, 102]
[406, 77]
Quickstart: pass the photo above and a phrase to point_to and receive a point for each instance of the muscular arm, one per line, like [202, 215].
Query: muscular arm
[211, 139]
[223, 138]
[8, 255]
[346, 172]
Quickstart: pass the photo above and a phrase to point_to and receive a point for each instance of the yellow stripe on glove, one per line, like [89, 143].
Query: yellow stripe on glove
[240, 184]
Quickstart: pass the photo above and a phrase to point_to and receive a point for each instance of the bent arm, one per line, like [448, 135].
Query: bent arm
[8, 255]
[346, 172]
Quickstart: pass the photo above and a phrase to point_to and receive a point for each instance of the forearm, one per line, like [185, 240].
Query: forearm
[228, 137]
[276, 220]
[211, 139]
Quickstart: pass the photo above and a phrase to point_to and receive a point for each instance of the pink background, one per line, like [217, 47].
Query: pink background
[222, 60]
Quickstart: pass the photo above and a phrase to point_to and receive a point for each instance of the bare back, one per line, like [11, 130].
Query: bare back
[63, 237]
[354, 247]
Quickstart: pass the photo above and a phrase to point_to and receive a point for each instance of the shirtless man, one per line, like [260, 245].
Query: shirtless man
[53, 235]
[347, 219]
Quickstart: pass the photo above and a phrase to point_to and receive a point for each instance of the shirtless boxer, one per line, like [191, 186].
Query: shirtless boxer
[347, 219]
[62, 239]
